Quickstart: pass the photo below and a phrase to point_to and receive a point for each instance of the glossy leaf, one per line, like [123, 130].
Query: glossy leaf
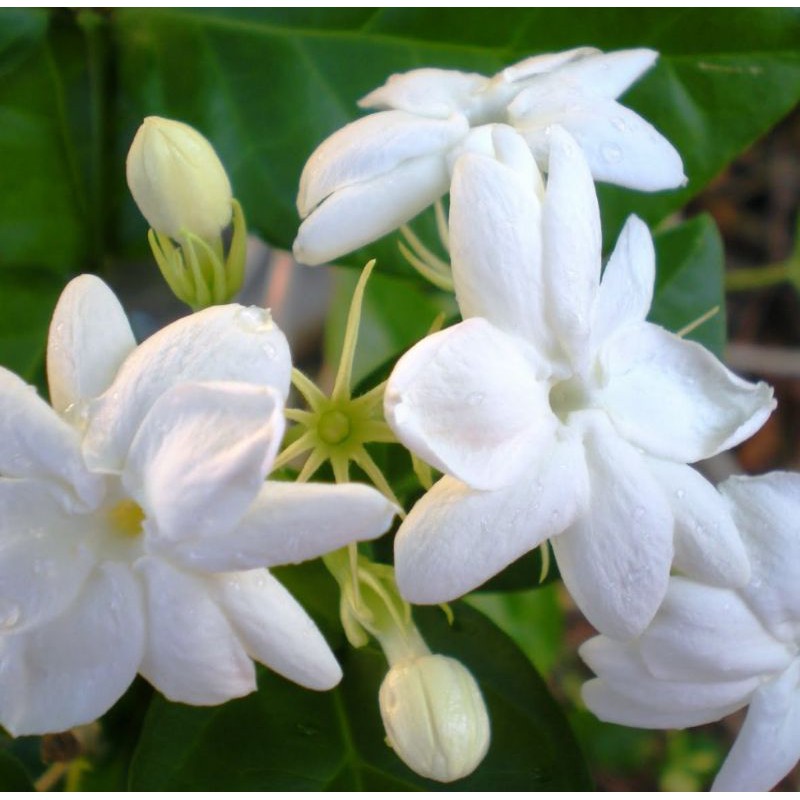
[284, 738]
[13, 777]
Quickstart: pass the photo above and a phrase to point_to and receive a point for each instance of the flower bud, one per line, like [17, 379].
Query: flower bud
[435, 717]
[178, 181]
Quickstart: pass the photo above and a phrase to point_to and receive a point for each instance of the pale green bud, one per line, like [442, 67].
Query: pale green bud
[435, 717]
[178, 181]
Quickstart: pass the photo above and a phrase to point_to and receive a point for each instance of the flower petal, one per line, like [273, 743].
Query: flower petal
[468, 401]
[201, 456]
[534, 66]
[703, 633]
[496, 244]
[768, 745]
[89, 338]
[674, 399]
[192, 653]
[571, 245]
[372, 147]
[708, 545]
[44, 559]
[626, 291]
[605, 74]
[428, 92]
[222, 343]
[359, 214]
[456, 538]
[292, 522]
[615, 559]
[766, 510]
[626, 693]
[619, 146]
[37, 443]
[275, 630]
[71, 670]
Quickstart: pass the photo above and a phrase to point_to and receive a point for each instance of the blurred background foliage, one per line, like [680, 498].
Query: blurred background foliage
[266, 86]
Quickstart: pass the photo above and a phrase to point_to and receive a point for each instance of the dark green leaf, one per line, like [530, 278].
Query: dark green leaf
[689, 281]
[13, 777]
[285, 738]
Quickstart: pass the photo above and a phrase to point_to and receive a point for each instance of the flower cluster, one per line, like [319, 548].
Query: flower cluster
[137, 524]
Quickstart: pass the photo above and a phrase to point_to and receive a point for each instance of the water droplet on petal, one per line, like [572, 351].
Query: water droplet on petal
[475, 398]
[255, 319]
[611, 152]
[619, 123]
[9, 614]
[680, 494]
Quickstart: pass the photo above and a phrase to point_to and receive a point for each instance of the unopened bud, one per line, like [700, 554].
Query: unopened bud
[178, 181]
[435, 717]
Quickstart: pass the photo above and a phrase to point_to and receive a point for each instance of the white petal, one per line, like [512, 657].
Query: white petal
[571, 245]
[89, 338]
[456, 538]
[766, 510]
[72, 670]
[468, 401]
[370, 148]
[708, 545]
[44, 556]
[626, 291]
[615, 559]
[275, 630]
[627, 693]
[674, 399]
[357, 215]
[222, 343]
[768, 745]
[703, 633]
[292, 522]
[619, 146]
[192, 653]
[546, 62]
[36, 443]
[605, 74]
[201, 456]
[496, 245]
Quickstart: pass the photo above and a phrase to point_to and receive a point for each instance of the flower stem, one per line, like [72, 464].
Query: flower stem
[760, 277]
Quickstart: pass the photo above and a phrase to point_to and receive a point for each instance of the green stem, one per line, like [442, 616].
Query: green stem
[760, 277]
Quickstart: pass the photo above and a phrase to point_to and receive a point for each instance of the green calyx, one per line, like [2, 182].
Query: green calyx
[198, 271]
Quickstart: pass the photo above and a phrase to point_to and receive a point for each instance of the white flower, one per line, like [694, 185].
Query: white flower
[556, 410]
[435, 717]
[378, 172]
[710, 651]
[178, 181]
[135, 523]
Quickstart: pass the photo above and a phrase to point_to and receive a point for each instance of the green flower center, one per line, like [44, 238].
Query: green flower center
[333, 427]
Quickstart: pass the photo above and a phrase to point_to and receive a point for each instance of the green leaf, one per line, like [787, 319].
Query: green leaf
[689, 281]
[13, 777]
[267, 86]
[284, 738]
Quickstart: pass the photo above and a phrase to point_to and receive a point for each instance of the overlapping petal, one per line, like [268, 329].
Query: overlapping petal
[456, 537]
[359, 214]
[615, 560]
[89, 339]
[288, 523]
[371, 147]
[70, 671]
[496, 245]
[201, 456]
[222, 343]
[693, 636]
[37, 443]
[571, 246]
[708, 545]
[275, 630]
[768, 745]
[192, 654]
[626, 692]
[468, 401]
[674, 399]
[766, 510]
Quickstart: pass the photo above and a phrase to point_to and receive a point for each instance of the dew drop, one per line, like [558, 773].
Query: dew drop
[255, 319]
[270, 351]
[619, 124]
[611, 152]
[9, 614]
[680, 494]
[475, 398]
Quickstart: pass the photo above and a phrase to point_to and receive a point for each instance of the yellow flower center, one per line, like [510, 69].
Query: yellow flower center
[333, 427]
[127, 517]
